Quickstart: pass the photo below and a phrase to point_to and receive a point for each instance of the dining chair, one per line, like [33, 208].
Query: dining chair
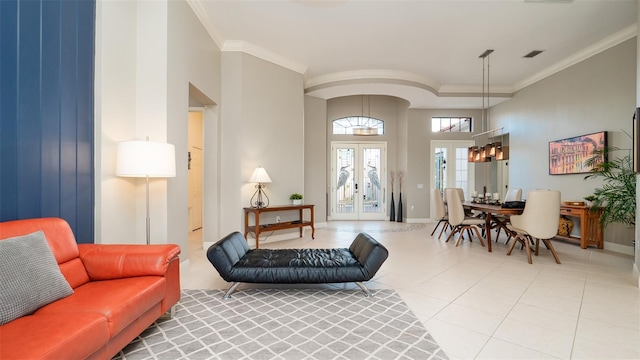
[438, 211]
[538, 221]
[460, 192]
[501, 221]
[459, 221]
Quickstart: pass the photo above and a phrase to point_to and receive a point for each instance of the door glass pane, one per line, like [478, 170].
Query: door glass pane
[441, 168]
[345, 180]
[371, 192]
[462, 170]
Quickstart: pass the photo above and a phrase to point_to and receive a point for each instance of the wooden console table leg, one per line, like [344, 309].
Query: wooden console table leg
[300, 222]
[257, 216]
[584, 228]
[313, 228]
[246, 224]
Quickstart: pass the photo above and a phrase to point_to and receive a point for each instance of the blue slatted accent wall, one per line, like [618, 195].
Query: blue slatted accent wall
[46, 111]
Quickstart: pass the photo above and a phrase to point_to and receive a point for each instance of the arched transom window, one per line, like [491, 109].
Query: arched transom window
[358, 125]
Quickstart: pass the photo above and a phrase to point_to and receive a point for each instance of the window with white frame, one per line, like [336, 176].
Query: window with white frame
[358, 125]
[450, 124]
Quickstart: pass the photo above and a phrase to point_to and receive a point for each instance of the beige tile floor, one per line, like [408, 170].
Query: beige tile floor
[481, 305]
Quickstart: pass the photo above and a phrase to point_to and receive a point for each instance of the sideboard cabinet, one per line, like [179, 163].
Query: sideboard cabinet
[591, 232]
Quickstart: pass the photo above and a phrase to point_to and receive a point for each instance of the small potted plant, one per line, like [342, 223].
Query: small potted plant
[296, 199]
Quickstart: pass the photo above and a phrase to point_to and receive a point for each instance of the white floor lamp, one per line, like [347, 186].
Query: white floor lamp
[146, 159]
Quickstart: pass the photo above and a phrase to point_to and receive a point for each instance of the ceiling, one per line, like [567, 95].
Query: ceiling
[425, 51]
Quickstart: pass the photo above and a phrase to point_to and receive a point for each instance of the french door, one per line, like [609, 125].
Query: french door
[450, 167]
[358, 185]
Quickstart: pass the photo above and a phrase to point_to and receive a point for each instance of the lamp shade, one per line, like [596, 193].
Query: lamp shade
[137, 158]
[259, 176]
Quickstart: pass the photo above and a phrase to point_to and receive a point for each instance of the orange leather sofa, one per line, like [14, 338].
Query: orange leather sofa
[118, 291]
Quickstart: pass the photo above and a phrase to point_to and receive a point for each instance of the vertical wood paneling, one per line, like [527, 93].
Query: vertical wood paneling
[46, 111]
[29, 121]
[85, 111]
[8, 109]
[68, 114]
[50, 107]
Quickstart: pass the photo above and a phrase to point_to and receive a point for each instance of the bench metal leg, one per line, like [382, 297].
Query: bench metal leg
[233, 288]
[364, 289]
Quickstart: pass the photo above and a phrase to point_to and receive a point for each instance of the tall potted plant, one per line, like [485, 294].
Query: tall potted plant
[617, 196]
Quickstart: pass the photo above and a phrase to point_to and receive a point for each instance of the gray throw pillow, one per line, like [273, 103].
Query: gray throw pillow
[29, 276]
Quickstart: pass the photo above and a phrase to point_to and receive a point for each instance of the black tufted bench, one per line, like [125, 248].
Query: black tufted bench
[237, 263]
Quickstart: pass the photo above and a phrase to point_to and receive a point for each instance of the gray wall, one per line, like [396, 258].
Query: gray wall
[262, 125]
[391, 110]
[594, 95]
[419, 137]
[316, 161]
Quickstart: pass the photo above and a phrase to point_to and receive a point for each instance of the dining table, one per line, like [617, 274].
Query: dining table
[489, 210]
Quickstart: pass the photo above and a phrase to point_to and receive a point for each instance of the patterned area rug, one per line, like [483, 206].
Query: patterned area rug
[287, 324]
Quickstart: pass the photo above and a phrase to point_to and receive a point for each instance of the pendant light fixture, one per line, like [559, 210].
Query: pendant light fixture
[483, 153]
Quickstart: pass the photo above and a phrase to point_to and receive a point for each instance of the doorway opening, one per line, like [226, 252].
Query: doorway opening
[450, 167]
[358, 180]
[195, 169]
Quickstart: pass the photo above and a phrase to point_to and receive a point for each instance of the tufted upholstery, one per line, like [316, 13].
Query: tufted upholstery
[237, 263]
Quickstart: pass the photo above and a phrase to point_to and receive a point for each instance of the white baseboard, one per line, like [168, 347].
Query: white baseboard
[418, 221]
[184, 265]
[622, 249]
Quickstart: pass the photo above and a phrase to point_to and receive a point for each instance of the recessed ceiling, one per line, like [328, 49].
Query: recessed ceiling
[426, 52]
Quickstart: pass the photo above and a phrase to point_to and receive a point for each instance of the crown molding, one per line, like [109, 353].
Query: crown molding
[602, 45]
[264, 54]
[370, 74]
[401, 78]
[201, 14]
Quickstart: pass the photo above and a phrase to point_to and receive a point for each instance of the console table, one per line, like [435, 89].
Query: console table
[257, 228]
[591, 232]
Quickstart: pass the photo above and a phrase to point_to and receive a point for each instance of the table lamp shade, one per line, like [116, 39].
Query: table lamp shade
[259, 176]
[138, 158]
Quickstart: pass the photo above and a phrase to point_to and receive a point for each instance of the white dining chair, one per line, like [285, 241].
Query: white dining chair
[501, 221]
[438, 211]
[538, 221]
[459, 221]
[460, 194]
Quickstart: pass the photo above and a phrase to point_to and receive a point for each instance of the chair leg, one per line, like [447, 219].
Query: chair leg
[460, 237]
[528, 247]
[478, 235]
[436, 228]
[470, 234]
[453, 232]
[523, 239]
[547, 243]
[443, 229]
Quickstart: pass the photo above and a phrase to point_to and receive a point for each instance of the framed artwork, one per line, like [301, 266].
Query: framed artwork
[567, 156]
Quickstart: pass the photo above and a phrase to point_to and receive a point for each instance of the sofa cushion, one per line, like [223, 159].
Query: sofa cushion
[121, 301]
[54, 336]
[29, 276]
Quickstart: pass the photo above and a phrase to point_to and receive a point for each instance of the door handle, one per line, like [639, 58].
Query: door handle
[356, 188]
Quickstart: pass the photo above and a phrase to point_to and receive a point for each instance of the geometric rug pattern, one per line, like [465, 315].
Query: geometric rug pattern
[287, 324]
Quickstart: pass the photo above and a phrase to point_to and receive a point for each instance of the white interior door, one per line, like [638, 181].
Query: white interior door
[358, 172]
[450, 167]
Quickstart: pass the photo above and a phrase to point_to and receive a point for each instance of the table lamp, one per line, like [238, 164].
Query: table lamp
[260, 177]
